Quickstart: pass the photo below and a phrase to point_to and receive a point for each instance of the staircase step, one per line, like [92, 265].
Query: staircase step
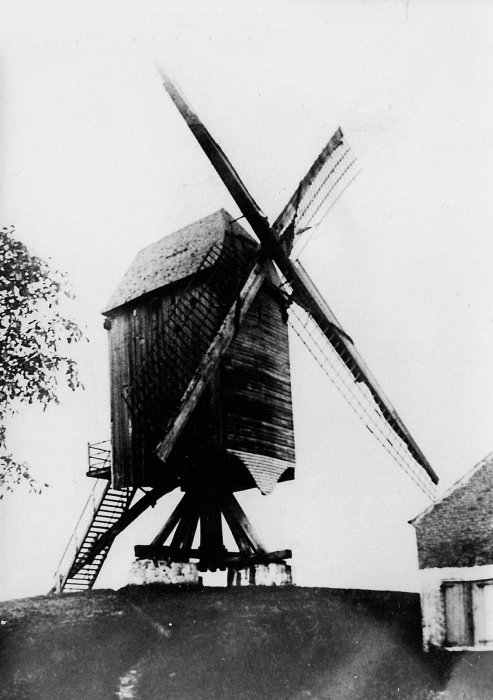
[99, 528]
[104, 520]
[81, 576]
[111, 508]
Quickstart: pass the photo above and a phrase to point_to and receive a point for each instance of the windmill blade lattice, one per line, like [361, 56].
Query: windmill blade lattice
[346, 370]
[327, 179]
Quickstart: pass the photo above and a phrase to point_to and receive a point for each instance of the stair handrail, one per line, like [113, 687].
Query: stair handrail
[97, 454]
[94, 500]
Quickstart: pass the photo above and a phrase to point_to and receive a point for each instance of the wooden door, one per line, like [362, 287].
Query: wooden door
[482, 610]
[458, 614]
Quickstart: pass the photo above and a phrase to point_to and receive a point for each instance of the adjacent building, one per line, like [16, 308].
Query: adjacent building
[455, 551]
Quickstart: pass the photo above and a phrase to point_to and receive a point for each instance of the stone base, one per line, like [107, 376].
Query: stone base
[145, 571]
[273, 574]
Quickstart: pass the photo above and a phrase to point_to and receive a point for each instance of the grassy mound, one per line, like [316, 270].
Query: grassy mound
[266, 643]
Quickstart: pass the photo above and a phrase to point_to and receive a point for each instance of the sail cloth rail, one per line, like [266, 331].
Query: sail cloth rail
[302, 241]
[319, 190]
[311, 209]
[357, 396]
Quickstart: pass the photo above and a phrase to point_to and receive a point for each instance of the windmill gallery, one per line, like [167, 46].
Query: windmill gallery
[200, 381]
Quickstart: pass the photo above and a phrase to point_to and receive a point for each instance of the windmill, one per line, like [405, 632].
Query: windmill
[200, 383]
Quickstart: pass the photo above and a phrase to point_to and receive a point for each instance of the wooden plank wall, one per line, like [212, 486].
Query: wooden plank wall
[135, 330]
[256, 384]
[119, 377]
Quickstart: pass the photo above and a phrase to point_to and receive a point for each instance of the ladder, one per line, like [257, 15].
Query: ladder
[77, 570]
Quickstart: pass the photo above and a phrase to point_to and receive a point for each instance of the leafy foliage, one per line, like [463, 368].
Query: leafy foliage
[33, 333]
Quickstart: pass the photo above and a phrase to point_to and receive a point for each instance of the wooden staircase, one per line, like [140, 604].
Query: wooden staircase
[78, 567]
[82, 576]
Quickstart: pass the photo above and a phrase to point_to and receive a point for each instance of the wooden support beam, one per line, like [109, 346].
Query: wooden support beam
[211, 548]
[210, 361]
[229, 558]
[186, 528]
[239, 523]
[171, 523]
[207, 508]
[242, 541]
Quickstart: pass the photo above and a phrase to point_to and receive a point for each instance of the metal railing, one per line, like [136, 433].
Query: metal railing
[99, 459]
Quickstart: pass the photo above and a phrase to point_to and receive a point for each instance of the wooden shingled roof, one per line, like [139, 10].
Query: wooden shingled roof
[172, 258]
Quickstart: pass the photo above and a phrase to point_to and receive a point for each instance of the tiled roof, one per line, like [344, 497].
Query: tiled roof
[172, 258]
[459, 487]
[456, 532]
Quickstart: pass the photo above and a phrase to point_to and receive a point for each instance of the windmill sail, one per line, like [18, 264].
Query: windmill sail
[348, 372]
[331, 173]
[314, 312]
[214, 152]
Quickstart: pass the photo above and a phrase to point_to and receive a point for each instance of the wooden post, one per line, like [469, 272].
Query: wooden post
[211, 534]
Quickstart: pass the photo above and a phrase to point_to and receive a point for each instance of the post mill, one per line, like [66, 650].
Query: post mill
[200, 378]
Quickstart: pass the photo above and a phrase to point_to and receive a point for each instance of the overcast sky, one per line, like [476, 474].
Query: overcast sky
[96, 163]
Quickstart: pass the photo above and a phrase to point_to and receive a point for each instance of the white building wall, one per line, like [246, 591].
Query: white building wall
[432, 601]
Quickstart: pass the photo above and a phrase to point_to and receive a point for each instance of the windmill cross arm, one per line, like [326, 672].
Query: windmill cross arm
[249, 208]
[301, 291]
[211, 358]
[269, 237]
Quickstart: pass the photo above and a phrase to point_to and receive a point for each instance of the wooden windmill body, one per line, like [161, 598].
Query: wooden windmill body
[200, 378]
[163, 315]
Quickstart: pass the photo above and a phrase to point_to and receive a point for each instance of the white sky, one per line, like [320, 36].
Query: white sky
[96, 163]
